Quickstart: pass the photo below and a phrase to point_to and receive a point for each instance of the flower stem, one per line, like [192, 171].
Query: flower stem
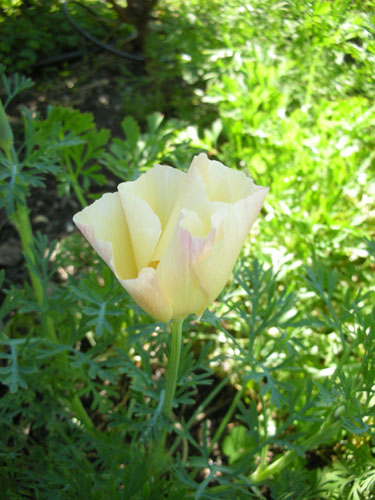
[199, 409]
[173, 364]
[325, 433]
[21, 220]
[76, 187]
[224, 422]
[78, 192]
[261, 474]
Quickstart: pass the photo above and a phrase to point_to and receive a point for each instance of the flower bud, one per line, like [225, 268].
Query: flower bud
[172, 237]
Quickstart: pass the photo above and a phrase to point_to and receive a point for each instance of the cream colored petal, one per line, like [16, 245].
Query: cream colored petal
[104, 225]
[176, 275]
[232, 228]
[147, 293]
[144, 226]
[222, 184]
[159, 187]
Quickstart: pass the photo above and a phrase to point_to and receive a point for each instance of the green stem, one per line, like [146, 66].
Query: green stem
[328, 429]
[21, 220]
[199, 410]
[78, 192]
[310, 81]
[224, 422]
[76, 187]
[173, 364]
[262, 474]
[82, 414]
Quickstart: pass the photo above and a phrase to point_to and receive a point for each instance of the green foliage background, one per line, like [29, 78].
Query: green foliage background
[275, 396]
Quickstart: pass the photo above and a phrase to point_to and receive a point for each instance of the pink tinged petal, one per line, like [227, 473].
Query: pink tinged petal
[104, 225]
[232, 227]
[192, 197]
[176, 274]
[193, 223]
[144, 226]
[147, 293]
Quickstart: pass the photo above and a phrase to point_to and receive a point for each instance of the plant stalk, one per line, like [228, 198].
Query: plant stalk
[224, 422]
[21, 220]
[76, 187]
[198, 410]
[262, 473]
[173, 364]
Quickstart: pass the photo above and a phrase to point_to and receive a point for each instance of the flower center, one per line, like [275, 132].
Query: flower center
[154, 264]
